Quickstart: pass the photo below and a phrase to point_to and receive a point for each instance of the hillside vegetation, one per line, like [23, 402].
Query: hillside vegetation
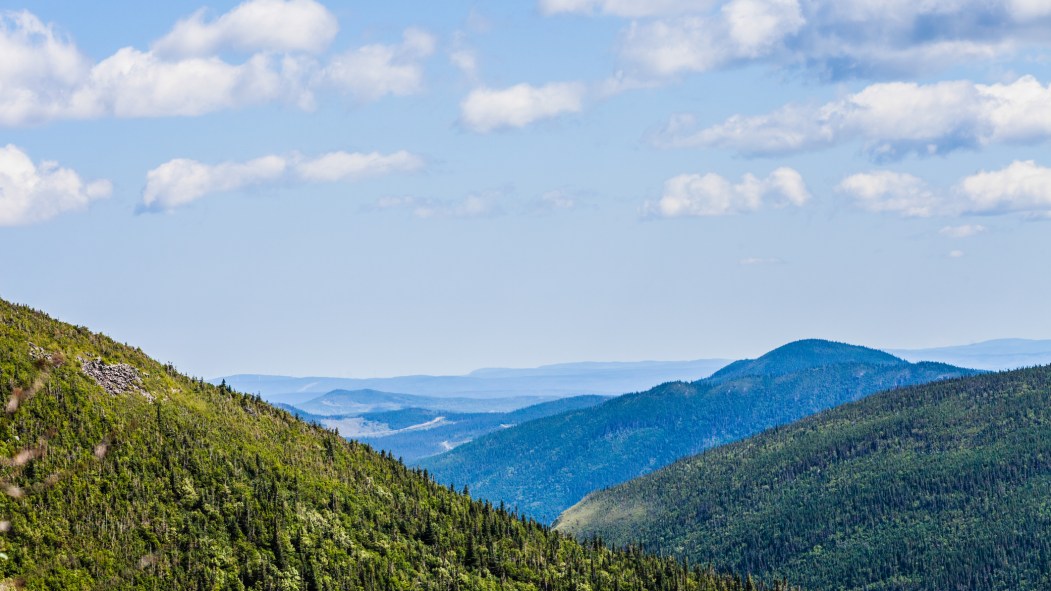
[120, 473]
[544, 466]
[935, 487]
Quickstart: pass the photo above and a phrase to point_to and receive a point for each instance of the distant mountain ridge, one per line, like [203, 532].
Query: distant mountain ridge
[927, 488]
[357, 402]
[550, 381]
[998, 354]
[544, 466]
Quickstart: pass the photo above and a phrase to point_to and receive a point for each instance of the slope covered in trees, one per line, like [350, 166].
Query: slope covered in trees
[119, 473]
[544, 466]
[935, 487]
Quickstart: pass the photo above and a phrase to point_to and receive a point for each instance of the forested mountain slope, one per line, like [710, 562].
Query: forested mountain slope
[544, 466]
[119, 473]
[935, 487]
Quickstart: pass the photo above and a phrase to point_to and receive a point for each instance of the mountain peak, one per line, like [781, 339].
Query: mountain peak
[805, 354]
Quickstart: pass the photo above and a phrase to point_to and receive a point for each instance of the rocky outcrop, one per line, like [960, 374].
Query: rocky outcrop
[115, 379]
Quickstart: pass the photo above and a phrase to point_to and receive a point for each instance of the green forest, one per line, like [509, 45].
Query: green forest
[544, 466]
[120, 473]
[934, 487]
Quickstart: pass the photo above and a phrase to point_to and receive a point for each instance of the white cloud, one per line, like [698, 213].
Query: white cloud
[36, 192]
[624, 8]
[892, 119]
[337, 166]
[956, 254]
[963, 231]
[373, 71]
[466, 61]
[181, 181]
[487, 109]
[44, 77]
[891, 192]
[1020, 187]
[557, 199]
[713, 195]
[256, 25]
[1030, 9]
[758, 26]
[833, 38]
[742, 30]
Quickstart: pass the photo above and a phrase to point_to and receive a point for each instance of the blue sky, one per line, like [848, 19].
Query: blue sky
[366, 189]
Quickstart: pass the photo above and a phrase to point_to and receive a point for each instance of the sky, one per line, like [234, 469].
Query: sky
[384, 188]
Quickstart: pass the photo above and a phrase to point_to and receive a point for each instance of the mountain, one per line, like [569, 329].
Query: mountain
[992, 355]
[549, 381]
[120, 473]
[358, 402]
[544, 466]
[934, 487]
[414, 433]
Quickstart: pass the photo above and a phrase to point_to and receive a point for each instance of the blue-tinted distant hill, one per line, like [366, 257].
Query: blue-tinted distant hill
[992, 355]
[549, 381]
[358, 402]
[544, 466]
[414, 433]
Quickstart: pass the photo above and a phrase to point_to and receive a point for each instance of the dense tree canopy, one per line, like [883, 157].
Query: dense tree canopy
[935, 487]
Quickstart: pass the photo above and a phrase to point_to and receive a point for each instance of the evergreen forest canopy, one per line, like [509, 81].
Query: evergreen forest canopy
[928, 488]
[544, 466]
[120, 473]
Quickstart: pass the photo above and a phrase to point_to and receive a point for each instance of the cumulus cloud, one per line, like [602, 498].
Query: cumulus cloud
[834, 38]
[257, 25]
[891, 192]
[892, 119]
[963, 231]
[373, 71]
[44, 76]
[1021, 187]
[32, 192]
[337, 166]
[181, 181]
[713, 195]
[487, 109]
[742, 30]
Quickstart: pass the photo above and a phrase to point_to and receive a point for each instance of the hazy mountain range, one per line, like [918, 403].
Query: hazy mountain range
[549, 381]
[606, 378]
[992, 355]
